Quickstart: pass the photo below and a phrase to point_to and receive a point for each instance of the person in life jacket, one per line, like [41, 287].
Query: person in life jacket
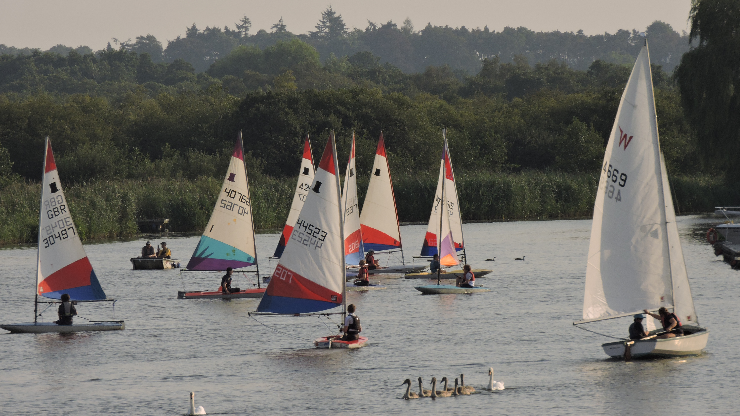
[226, 282]
[363, 276]
[66, 311]
[372, 264]
[467, 279]
[352, 327]
[671, 323]
[164, 253]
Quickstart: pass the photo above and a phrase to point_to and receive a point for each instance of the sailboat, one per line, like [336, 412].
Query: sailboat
[635, 261]
[446, 244]
[429, 248]
[228, 240]
[62, 266]
[379, 217]
[305, 179]
[310, 277]
[353, 247]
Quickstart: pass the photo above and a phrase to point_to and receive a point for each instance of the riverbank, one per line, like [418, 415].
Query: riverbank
[110, 209]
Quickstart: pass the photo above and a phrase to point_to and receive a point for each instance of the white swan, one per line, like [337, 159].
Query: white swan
[439, 393]
[423, 392]
[193, 410]
[409, 394]
[466, 389]
[494, 385]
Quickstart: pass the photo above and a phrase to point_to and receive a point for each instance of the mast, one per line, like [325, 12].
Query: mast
[251, 208]
[443, 206]
[38, 246]
[341, 226]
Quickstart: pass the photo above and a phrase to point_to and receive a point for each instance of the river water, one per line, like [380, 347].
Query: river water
[237, 365]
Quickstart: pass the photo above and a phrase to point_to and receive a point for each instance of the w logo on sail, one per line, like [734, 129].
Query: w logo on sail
[623, 139]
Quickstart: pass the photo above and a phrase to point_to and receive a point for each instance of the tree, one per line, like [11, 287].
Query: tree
[331, 26]
[708, 79]
[243, 26]
[148, 44]
[279, 27]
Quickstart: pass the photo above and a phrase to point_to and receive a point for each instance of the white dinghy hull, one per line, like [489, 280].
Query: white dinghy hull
[691, 344]
[47, 327]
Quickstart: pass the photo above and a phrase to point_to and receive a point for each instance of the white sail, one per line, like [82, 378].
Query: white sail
[62, 265]
[379, 218]
[305, 179]
[683, 302]
[629, 264]
[429, 247]
[353, 249]
[228, 240]
[311, 273]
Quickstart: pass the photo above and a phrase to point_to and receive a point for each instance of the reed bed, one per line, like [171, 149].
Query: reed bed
[110, 209]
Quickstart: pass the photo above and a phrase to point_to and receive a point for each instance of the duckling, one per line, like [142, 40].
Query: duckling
[409, 394]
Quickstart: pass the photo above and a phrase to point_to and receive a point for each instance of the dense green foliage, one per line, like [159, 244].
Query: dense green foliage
[709, 78]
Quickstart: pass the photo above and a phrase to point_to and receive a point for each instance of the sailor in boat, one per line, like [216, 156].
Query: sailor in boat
[66, 311]
[164, 252]
[148, 251]
[352, 327]
[226, 282]
[671, 323]
[363, 277]
[637, 331]
[372, 264]
[467, 279]
[434, 265]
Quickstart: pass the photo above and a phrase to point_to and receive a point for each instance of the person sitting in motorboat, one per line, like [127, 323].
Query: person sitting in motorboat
[671, 323]
[164, 252]
[66, 311]
[352, 327]
[148, 251]
[226, 282]
[467, 279]
[372, 264]
[363, 277]
[636, 329]
[434, 265]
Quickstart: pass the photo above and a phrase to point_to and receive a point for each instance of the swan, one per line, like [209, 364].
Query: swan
[520, 258]
[422, 391]
[409, 394]
[459, 390]
[444, 379]
[193, 410]
[439, 393]
[494, 385]
[466, 389]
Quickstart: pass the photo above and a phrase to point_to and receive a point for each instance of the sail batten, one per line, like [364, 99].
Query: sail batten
[311, 273]
[632, 261]
[62, 264]
[228, 239]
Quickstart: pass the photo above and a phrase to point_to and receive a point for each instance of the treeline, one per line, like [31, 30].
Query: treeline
[411, 51]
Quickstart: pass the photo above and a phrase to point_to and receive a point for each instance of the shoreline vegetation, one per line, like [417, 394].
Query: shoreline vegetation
[109, 209]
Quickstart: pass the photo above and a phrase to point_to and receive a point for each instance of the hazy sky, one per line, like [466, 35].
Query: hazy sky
[45, 23]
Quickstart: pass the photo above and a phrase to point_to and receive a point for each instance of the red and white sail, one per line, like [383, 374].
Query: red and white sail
[310, 276]
[62, 264]
[353, 247]
[305, 179]
[379, 217]
[429, 248]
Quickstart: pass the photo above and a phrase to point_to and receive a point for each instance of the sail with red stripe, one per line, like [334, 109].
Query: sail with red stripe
[446, 247]
[429, 248]
[305, 179]
[379, 217]
[228, 240]
[310, 276]
[62, 264]
[353, 248]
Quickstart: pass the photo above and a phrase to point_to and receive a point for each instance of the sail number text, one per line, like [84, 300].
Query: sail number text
[615, 180]
[233, 205]
[60, 229]
[308, 234]
[305, 187]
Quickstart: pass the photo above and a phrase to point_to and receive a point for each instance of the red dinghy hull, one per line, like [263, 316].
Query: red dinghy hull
[248, 293]
[334, 341]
